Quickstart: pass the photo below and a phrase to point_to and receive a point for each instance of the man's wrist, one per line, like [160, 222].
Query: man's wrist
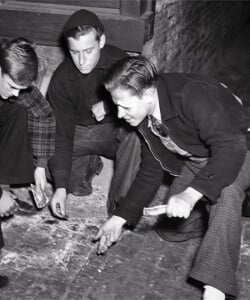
[119, 220]
[193, 196]
[62, 191]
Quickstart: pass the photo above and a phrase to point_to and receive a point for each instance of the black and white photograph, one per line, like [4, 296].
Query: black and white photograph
[124, 149]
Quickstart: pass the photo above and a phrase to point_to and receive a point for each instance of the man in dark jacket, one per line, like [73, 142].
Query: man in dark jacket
[87, 124]
[194, 128]
[27, 124]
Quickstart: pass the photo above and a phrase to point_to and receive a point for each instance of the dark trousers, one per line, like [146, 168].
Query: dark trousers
[16, 161]
[217, 257]
[112, 141]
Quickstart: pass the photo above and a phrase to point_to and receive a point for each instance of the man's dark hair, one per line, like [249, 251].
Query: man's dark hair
[18, 59]
[82, 22]
[132, 73]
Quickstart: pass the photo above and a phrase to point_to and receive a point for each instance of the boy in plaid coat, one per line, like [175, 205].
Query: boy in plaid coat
[27, 124]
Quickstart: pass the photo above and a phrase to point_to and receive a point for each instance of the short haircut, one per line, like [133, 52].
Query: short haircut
[18, 59]
[78, 31]
[135, 74]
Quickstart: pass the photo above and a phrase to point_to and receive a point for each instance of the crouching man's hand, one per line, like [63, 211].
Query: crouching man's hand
[181, 205]
[57, 203]
[109, 233]
[7, 204]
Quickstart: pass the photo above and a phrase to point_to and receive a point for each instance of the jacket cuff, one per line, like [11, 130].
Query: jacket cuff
[130, 216]
[60, 179]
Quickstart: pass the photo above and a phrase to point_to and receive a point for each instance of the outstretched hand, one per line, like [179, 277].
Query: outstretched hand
[7, 204]
[109, 233]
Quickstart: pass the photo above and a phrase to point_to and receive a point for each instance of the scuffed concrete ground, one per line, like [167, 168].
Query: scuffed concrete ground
[49, 259]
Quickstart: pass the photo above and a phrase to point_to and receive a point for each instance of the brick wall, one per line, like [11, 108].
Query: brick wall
[189, 35]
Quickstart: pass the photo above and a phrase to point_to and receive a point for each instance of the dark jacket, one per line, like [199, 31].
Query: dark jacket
[72, 96]
[203, 118]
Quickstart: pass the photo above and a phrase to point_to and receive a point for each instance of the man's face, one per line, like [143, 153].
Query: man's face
[85, 51]
[8, 88]
[133, 109]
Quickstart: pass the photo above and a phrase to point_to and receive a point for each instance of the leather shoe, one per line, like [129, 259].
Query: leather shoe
[83, 189]
[85, 186]
[4, 281]
[179, 229]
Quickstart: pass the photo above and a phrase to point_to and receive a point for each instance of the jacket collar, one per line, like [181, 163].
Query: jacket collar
[166, 106]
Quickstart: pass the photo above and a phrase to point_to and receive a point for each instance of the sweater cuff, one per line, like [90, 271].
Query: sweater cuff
[132, 217]
[60, 179]
[41, 162]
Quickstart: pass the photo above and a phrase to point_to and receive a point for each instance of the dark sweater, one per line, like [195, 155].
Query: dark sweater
[72, 96]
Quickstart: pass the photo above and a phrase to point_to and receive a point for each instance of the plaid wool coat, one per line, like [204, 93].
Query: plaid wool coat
[41, 124]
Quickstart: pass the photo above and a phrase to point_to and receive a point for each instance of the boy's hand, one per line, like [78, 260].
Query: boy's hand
[109, 233]
[7, 204]
[40, 179]
[57, 203]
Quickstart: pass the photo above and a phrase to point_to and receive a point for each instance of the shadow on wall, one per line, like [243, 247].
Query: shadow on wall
[49, 58]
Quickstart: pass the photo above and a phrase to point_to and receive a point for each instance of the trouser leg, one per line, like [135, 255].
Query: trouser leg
[127, 162]
[85, 161]
[217, 258]
[84, 168]
[112, 141]
[91, 142]
[16, 162]
[180, 229]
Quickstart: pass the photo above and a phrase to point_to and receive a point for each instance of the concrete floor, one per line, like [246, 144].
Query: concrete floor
[49, 259]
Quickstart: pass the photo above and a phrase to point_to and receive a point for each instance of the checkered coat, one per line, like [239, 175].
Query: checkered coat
[41, 124]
